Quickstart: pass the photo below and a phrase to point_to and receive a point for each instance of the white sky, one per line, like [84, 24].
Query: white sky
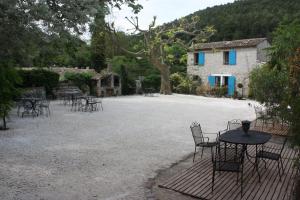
[165, 10]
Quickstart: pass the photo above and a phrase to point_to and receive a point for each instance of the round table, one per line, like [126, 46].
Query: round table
[239, 137]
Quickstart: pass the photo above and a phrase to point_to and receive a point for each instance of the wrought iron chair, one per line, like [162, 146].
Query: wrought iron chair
[263, 115]
[222, 163]
[232, 148]
[200, 140]
[44, 105]
[274, 154]
[234, 124]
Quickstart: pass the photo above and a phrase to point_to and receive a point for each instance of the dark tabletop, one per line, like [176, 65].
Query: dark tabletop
[239, 137]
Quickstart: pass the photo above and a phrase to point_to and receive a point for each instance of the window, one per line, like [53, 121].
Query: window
[196, 58]
[226, 57]
[199, 58]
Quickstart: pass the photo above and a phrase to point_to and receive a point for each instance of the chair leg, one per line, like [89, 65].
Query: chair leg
[279, 170]
[213, 181]
[282, 165]
[194, 154]
[242, 184]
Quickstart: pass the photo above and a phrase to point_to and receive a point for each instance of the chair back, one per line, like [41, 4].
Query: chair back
[197, 133]
[234, 124]
[223, 154]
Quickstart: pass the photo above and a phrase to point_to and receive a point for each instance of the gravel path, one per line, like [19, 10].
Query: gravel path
[108, 154]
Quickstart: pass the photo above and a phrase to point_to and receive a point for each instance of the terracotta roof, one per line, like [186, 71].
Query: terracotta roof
[229, 44]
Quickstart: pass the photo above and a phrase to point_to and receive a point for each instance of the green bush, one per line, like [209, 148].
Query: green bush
[39, 78]
[184, 85]
[82, 80]
[152, 81]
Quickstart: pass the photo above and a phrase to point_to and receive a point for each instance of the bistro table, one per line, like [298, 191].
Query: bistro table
[238, 136]
[30, 105]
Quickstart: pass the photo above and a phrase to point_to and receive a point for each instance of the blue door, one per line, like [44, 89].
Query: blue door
[231, 85]
[211, 81]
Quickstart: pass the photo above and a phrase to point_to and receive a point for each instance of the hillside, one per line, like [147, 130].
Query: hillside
[247, 18]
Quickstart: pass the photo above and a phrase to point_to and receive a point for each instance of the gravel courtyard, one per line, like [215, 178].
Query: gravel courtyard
[108, 154]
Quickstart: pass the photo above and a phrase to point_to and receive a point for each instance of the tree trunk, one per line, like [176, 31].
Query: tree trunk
[4, 123]
[165, 85]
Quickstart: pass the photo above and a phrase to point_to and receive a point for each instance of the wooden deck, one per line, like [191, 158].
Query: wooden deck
[278, 129]
[196, 181]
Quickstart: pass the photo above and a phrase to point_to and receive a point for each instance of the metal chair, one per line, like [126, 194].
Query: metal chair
[234, 124]
[221, 163]
[200, 140]
[267, 153]
[44, 105]
[262, 115]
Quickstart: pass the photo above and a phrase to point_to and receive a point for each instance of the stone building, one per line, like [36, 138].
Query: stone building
[106, 83]
[227, 63]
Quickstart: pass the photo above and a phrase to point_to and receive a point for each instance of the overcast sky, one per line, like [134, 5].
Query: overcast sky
[165, 10]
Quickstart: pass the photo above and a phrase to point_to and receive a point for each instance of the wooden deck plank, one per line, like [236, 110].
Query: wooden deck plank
[196, 181]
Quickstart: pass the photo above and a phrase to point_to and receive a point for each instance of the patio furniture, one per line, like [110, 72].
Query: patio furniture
[30, 106]
[266, 153]
[238, 136]
[221, 163]
[200, 139]
[44, 107]
[264, 115]
[234, 124]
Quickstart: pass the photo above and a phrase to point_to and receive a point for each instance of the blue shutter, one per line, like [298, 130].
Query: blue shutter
[231, 85]
[201, 58]
[232, 57]
[211, 81]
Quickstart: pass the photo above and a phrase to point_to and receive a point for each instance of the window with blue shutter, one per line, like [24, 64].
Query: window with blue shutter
[232, 57]
[201, 58]
[211, 81]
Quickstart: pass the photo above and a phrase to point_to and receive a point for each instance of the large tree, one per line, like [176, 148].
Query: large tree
[157, 41]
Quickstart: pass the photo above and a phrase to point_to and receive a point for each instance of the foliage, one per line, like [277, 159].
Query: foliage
[268, 86]
[39, 78]
[219, 91]
[126, 84]
[9, 79]
[81, 80]
[26, 25]
[183, 84]
[246, 18]
[152, 81]
[165, 47]
[98, 40]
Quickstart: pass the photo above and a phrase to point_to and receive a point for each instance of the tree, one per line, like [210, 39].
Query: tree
[98, 48]
[24, 23]
[157, 41]
[9, 79]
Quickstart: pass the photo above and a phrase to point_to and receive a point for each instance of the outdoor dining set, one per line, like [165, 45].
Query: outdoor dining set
[230, 150]
[33, 103]
[78, 101]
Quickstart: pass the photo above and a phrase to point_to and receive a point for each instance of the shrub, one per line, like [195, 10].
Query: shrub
[82, 80]
[39, 78]
[9, 79]
[184, 85]
[152, 81]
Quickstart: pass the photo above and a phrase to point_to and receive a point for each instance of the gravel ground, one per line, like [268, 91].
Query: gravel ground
[108, 154]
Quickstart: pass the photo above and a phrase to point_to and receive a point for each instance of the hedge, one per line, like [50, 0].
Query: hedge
[39, 78]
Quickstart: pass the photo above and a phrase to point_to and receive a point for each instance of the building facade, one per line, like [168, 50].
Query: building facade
[227, 63]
